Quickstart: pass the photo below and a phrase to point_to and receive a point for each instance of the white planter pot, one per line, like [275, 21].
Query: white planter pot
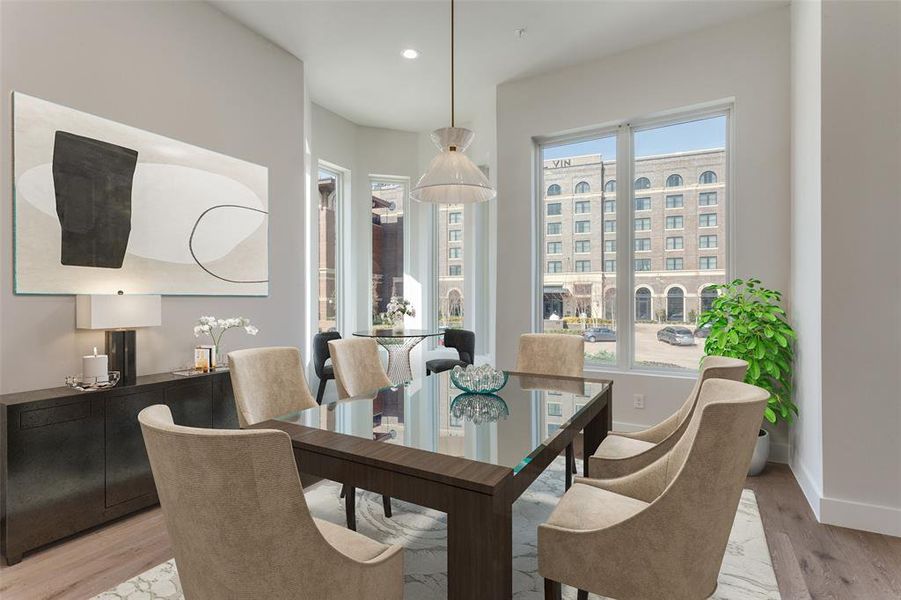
[761, 453]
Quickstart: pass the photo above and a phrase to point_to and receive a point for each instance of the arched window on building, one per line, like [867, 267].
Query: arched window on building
[642, 183]
[610, 304]
[582, 187]
[707, 177]
[708, 295]
[643, 304]
[674, 180]
[454, 303]
[675, 305]
[610, 186]
[553, 190]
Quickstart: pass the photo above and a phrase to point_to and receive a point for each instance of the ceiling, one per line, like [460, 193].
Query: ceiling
[351, 49]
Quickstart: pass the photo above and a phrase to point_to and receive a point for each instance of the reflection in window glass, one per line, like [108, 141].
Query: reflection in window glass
[579, 283]
[330, 188]
[388, 203]
[670, 290]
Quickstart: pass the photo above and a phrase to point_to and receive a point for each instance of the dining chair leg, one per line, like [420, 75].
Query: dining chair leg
[552, 590]
[321, 392]
[570, 461]
[343, 492]
[386, 504]
[575, 469]
[350, 507]
[583, 595]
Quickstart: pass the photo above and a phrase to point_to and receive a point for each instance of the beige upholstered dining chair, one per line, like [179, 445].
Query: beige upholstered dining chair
[268, 382]
[551, 354]
[624, 452]
[358, 368]
[659, 533]
[240, 526]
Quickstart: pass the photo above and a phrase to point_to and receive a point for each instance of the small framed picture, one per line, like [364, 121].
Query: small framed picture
[203, 359]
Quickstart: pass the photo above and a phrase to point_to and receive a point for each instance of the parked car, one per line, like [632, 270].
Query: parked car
[677, 336]
[702, 331]
[599, 334]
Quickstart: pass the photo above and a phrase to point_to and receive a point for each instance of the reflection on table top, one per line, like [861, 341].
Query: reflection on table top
[429, 413]
[388, 332]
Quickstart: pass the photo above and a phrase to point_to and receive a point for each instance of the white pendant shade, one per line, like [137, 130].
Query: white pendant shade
[452, 178]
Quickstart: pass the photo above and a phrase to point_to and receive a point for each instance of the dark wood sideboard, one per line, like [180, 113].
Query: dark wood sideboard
[72, 460]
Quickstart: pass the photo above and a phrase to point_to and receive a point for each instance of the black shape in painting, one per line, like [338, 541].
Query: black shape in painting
[93, 183]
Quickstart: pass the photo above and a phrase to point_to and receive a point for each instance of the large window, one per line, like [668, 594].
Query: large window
[673, 295]
[331, 184]
[579, 280]
[450, 269]
[673, 264]
[389, 199]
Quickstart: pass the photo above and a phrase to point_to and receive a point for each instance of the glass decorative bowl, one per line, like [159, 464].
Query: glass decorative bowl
[479, 408]
[482, 379]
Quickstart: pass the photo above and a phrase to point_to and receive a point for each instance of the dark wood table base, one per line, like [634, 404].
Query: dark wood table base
[477, 497]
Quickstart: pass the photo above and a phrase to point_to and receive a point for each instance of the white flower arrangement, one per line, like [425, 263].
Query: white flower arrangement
[214, 327]
[399, 307]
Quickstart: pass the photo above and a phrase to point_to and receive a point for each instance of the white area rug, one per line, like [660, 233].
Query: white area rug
[746, 574]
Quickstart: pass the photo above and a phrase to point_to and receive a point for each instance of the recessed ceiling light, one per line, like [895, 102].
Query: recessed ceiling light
[409, 53]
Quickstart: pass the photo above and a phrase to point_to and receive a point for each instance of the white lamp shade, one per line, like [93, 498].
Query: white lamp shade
[111, 311]
[452, 178]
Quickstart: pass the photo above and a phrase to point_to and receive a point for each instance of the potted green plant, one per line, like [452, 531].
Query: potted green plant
[747, 321]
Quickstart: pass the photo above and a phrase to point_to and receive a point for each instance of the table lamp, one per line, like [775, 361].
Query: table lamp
[119, 315]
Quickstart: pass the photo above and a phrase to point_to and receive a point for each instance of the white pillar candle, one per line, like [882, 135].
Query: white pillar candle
[95, 368]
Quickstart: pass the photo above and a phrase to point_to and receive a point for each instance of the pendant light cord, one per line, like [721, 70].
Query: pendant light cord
[452, 62]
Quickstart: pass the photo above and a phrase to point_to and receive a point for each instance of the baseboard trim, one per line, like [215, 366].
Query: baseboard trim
[860, 515]
[779, 453]
[809, 488]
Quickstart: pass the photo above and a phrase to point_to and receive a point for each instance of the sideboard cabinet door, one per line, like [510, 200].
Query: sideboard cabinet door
[127, 469]
[54, 479]
[128, 475]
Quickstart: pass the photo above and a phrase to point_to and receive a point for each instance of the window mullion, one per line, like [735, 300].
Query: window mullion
[624, 242]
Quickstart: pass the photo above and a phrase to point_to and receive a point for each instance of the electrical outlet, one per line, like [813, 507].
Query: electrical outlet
[638, 401]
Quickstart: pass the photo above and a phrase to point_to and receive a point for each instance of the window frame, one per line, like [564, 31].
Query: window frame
[625, 277]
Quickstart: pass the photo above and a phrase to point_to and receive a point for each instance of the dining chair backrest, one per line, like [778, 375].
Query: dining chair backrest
[712, 367]
[358, 368]
[703, 475]
[235, 511]
[320, 350]
[551, 354]
[463, 341]
[268, 382]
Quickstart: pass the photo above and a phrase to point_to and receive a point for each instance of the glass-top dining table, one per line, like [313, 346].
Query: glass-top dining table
[469, 455]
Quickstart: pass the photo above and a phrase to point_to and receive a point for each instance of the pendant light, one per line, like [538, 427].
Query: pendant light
[452, 178]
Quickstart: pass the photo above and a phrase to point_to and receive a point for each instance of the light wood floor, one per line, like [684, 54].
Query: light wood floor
[811, 560]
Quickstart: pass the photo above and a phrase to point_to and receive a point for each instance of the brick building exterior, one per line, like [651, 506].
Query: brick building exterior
[679, 226]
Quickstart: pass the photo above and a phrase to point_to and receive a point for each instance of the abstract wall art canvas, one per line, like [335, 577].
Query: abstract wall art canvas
[102, 207]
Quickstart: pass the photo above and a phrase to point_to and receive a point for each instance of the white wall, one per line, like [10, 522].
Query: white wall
[806, 273]
[861, 265]
[747, 60]
[179, 69]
